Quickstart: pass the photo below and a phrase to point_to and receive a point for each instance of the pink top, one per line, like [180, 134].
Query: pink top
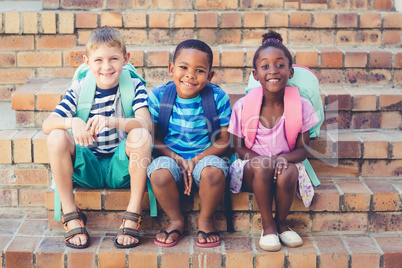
[269, 141]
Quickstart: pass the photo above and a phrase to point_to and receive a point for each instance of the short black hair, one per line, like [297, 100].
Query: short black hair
[194, 44]
[272, 39]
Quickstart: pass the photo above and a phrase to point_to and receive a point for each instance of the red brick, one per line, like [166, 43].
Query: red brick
[382, 4]
[228, 76]
[135, 20]
[33, 227]
[395, 141]
[392, 20]
[324, 20]
[254, 20]
[348, 5]
[137, 56]
[16, 42]
[51, 252]
[370, 20]
[20, 251]
[25, 118]
[40, 148]
[380, 59]
[39, 59]
[145, 253]
[207, 20]
[48, 22]
[375, 145]
[157, 75]
[385, 196]
[375, 76]
[157, 57]
[131, 4]
[363, 251]
[22, 146]
[51, 94]
[159, 36]
[312, 37]
[326, 197]
[6, 92]
[7, 60]
[385, 221]
[257, 4]
[233, 58]
[111, 19]
[348, 145]
[12, 22]
[381, 168]
[159, 20]
[24, 97]
[56, 42]
[50, 4]
[5, 145]
[391, 120]
[238, 253]
[8, 198]
[203, 257]
[364, 99]
[83, 257]
[108, 256]
[347, 20]
[304, 256]
[300, 19]
[180, 35]
[340, 222]
[391, 37]
[313, 5]
[321, 147]
[356, 196]
[331, 58]
[391, 247]
[32, 198]
[333, 251]
[230, 20]
[363, 37]
[306, 57]
[366, 120]
[76, 4]
[268, 259]
[338, 99]
[134, 37]
[63, 72]
[88, 199]
[30, 22]
[74, 58]
[66, 22]
[277, 19]
[240, 201]
[3, 243]
[86, 20]
[183, 20]
[336, 168]
[177, 256]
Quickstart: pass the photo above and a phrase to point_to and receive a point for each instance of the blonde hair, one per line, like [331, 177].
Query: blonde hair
[105, 36]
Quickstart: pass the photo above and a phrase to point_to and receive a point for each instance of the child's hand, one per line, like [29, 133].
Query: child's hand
[280, 163]
[187, 170]
[82, 136]
[96, 124]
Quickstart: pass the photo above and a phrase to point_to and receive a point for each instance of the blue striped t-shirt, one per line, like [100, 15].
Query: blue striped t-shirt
[106, 103]
[188, 135]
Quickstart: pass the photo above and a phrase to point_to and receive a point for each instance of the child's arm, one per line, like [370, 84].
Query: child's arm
[77, 125]
[142, 119]
[241, 150]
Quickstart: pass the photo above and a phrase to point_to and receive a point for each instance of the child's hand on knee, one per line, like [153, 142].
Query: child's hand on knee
[280, 164]
[82, 136]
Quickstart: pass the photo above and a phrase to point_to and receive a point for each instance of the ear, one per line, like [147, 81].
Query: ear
[170, 68]
[86, 60]
[126, 58]
[291, 72]
[255, 75]
[210, 76]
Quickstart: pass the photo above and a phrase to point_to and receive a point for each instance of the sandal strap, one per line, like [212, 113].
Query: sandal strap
[206, 235]
[76, 231]
[131, 216]
[128, 231]
[75, 215]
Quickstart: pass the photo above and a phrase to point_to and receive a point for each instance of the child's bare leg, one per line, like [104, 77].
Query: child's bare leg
[60, 144]
[212, 186]
[258, 178]
[138, 150]
[165, 190]
[285, 192]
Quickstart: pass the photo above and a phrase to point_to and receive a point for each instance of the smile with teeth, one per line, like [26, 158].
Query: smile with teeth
[188, 84]
[108, 74]
[273, 80]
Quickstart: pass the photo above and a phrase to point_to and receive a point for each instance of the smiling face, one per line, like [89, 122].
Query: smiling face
[106, 64]
[272, 69]
[190, 72]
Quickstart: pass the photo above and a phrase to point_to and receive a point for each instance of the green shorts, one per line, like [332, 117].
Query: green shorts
[93, 172]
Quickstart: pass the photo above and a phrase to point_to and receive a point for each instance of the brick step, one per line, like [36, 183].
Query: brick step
[346, 107]
[25, 241]
[339, 205]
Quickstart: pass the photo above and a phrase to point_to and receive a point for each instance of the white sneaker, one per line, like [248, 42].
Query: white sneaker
[270, 242]
[291, 239]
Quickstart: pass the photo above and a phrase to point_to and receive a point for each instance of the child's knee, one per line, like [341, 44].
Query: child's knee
[212, 175]
[139, 138]
[59, 139]
[161, 177]
[288, 177]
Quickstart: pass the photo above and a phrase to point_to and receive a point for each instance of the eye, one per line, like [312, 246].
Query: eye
[265, 66]
[183, 67]
[114, 59]
[98, 60]
[280, 65]
[200, 71]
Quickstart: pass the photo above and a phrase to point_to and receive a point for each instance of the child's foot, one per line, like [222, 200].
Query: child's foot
[78, 239]
[171, 234]
[289, 237]
[76, 235]
[128, 234]
[125, 239]
[207, 236]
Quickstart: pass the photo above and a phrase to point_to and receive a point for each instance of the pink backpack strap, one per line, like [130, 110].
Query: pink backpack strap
[293, 115]
[251, 115]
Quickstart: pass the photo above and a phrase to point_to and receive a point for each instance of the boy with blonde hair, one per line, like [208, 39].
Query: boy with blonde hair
[109, 145]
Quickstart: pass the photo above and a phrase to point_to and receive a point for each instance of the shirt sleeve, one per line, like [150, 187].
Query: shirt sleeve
[223, 106]
[154, 100]
[235, 119]
[310, 117]
[68, 105]
[141, 95]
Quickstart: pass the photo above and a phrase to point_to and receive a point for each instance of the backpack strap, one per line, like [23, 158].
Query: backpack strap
[86, 97]
[251, 115]
[127, 93]
[166, 108]
[293, 115]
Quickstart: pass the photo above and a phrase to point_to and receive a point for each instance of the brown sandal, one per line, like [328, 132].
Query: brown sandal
[133, 233]
[82, 219]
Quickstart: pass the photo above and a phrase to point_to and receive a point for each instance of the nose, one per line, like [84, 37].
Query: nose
[106, 65]
[272, 69]
[190, 73]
